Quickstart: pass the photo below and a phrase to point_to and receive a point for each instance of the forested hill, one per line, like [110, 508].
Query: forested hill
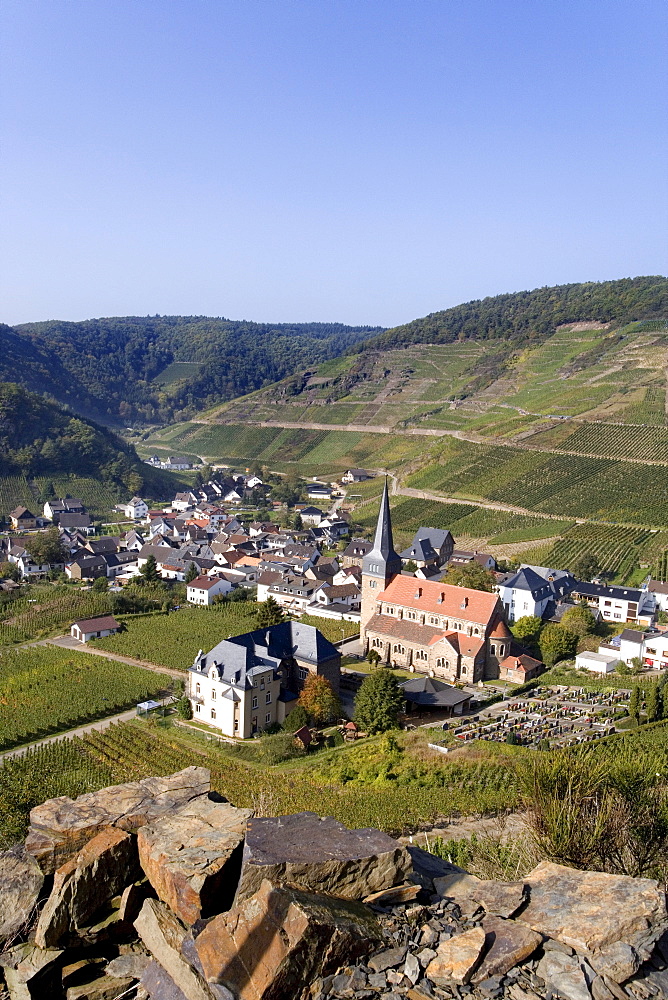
[529, 317]
[149, 369]
[39, 438]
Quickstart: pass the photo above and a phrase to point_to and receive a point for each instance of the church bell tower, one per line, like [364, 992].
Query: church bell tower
[380, 565]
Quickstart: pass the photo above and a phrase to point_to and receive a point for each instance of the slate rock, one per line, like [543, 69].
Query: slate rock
[564, 975]
[86, 883]
[281, 939]
[163, 934]
[60, 827]
[132, 965]
[103, 988]
[412, 968]
[507, 943]
[501, 899]
[457, 958]
[321, 855]
[590, 910]
[388, 959]
[159, 985]
[21, 880]
[31, 972]
[192, 857]
[599, 990]
[618, 961]
[132, 900]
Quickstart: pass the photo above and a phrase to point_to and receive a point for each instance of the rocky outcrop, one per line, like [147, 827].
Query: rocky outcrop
[60, 827]
[322, 855]
[21, 881]
[87, 883]
[280, 938]
[164, 935]
[192, 858]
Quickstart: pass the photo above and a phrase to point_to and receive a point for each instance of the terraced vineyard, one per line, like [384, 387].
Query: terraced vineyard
[45, 690]
[619, 551]
[52, 608]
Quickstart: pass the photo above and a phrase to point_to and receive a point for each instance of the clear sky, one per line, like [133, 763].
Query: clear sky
[362, 161]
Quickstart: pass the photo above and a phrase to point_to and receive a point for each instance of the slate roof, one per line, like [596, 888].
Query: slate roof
[432, 693]
[527, 579]
[631, 635]
[100, 624]
[601, 590]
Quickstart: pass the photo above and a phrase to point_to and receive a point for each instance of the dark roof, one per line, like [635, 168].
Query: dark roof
[100, 624]
[358, 547]
[433, 693]
[20, 512]
[382, 560]
[602, 590]
[631, 635]
[107, 543]
[421, 549]
[528, 579]
[67, 520]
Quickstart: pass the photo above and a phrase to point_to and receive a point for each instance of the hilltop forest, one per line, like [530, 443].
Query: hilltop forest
[154, 369]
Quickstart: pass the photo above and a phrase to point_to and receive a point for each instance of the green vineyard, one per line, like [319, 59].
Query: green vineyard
[45, 690]
[46, 609]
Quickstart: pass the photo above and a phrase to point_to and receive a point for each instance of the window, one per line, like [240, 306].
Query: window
[197, 689]
[267, 717]
[303, 673]
[268, 698]
[398, 648]
[213, 694]
[213, 713]
[492, 649]
[236, 725]
[372, 584]
[412, 615]
[377, 643]
[442, 662]
[618, 616]
[254, 705]
[198, 708]
[432, 620]
[421, 655]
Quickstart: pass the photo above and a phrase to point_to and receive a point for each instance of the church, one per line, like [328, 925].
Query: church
[448, 632]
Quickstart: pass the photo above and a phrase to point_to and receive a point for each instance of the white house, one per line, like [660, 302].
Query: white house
[136, 509]
[94, 628]
[531, 590]
[203, 589]
[616, 604]
[659, 592]
[319, 491]
[598, 663]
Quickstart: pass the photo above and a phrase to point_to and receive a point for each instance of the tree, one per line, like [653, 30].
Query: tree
[101, 585]
[319, 700]
[527, 629]
[298, 523]
[191, 573]
[184, 709]
[586, 566]
[373, 657]
[269, 613]
[297, 718]
[149, 571]
[579, 619]
[557, 643]
[46, 547]
[635, 702]
[10, 571]
[471, 575]
[654, 705]
[379, 702]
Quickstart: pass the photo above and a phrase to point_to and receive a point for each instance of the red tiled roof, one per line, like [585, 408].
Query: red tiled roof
[442, 599]
[522, 662]
[204, 582]
[403, 629]
[501, 631]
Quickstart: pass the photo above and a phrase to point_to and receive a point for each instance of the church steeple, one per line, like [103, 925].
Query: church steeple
[380, 565]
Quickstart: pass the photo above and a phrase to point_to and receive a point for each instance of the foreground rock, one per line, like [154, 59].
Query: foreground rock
[60, 827]
[322, 855]
[87, 883]
[456, 959]
[502, 899]
[31, 972]
[164, 936]
[592, 910]
[21, 881]
[281, 939]
[193, 857]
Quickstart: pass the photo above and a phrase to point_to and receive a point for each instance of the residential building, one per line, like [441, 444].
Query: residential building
[311, 515]
[136, 509]
[319, 491]
[22, 519]
[356, 476]
[430, 548]
[533, 591]
[460, 557]
[203, 589]
[247, 682]
[355, 552]
[76, 522]
[616, 604]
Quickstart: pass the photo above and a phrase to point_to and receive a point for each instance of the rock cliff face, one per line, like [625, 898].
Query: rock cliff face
[160, 889]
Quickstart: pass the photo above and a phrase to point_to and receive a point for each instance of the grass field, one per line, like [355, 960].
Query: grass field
[45, 690]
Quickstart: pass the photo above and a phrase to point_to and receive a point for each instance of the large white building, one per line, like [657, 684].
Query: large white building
[249, 682]
[532, 590]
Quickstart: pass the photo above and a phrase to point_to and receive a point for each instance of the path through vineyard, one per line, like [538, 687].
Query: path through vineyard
[80, 731]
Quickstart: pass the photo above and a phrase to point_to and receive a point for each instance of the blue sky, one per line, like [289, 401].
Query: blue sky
[362, 161]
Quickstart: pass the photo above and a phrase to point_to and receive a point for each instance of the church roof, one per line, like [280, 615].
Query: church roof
[442, 599]
[382, 560]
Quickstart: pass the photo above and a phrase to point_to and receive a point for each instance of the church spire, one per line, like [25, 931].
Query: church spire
[382, 561]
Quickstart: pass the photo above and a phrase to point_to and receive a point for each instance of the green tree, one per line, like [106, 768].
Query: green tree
[653, 703]
[149, 571]
[379, 702]
[527, 629]
[579, 619]
[557, 643]
[297, 718]
[10, 571]
[586, 566]
[101, 585]
[319, 700]
[269, 613]
[184, 709]
[471, 575]
[46, 547]
[635, 702]
[298, 523]
[191, 573]
[373, 657]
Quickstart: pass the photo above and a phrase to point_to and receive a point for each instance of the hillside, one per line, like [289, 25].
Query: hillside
[159, 368]
[47, 449]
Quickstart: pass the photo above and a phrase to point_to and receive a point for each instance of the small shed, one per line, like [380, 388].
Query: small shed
[144, 707]
[431, 695]
[94, 628]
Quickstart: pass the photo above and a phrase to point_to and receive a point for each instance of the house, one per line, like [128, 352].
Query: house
[430, 548]
[68, 505]
[76, 522]
[184, 501]
[94, 628]
[319, 491]
[650, 648]
[176, 463]
[339, 601]
[311, 515]
[659, 592]
[105, 544]
[293, 591]
[460, 557]
[135, 509]
[28, 569]
[431, 695]
[248, 682]
[22, 519]
[354, 553]
[520, 668]
[203, 589]
[334, 529]
[616, 604]
[86, 567]
[533, 591]
[356, 476]
[454, 633]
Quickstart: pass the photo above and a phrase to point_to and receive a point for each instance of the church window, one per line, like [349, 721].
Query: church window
[493, 649]
[372, 584]
[433, 620]
[198, 689]
[421, 655]
[213, 694]
[398, 648]
[213, 713]
[412, 615]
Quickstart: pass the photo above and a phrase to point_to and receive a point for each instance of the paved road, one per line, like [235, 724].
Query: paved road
[69, 642]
